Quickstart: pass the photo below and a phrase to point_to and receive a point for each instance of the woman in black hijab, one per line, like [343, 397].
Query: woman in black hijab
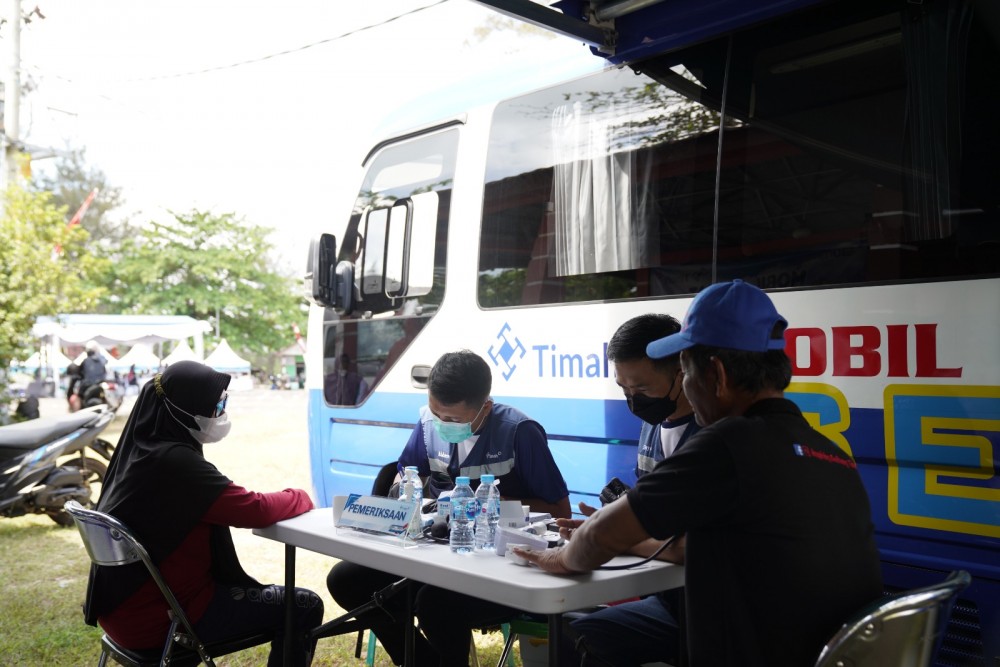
[180, 507]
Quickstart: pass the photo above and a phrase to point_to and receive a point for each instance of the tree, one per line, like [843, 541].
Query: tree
[44, 267]
[211, 267]
[72, 182]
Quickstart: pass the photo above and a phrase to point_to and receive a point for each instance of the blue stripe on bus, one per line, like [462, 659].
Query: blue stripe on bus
[591, 440]
[366, 439]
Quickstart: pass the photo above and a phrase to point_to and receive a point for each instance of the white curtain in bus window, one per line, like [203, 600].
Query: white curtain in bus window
[600, 201]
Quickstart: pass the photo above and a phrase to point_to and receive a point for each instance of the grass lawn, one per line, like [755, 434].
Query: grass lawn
[43, 568]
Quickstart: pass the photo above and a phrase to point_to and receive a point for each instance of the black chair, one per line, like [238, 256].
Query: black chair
[903, 630]
[110, 543]
[384, 479]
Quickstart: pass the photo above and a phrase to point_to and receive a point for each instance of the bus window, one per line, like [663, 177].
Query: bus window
[587, 182]
[838, 164]
[397, 239]
[843, 168]
[358, 354]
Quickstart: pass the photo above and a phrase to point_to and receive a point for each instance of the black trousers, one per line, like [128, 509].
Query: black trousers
[241, 610]
[446, 618]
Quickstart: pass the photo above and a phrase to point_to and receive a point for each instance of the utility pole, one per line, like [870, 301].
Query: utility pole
[12, 98]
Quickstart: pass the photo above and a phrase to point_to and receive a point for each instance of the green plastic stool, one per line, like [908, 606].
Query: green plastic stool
[520, 626]
[370, 658]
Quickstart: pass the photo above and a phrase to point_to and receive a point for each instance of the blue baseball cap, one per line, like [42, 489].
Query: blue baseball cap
[733, 315]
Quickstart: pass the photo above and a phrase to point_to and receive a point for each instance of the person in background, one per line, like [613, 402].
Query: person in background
[93, 369]
[462, 432]
[780, 543]
[73, 387]
[646, 630]
[27, 409]
[132, 380]
[181, 507]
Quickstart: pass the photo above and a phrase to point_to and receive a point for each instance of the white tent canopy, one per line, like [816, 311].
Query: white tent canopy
[60, 360]
[141, 355]
[182, 352]
[109, 330]
[225, 360]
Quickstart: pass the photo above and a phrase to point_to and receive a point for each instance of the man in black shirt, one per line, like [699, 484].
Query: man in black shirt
[780, 543]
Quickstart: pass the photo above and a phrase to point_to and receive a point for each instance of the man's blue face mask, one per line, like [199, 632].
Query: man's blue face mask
[456, 431]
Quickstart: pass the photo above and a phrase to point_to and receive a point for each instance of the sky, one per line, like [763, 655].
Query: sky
[262, 109]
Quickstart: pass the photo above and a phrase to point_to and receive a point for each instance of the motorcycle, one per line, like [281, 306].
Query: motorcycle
[44, 463]
[106, 392]
[102, 393]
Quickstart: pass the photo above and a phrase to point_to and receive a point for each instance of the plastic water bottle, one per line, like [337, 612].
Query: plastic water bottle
[463, 515]
[413, 490]
[483, 540]
[493, 514]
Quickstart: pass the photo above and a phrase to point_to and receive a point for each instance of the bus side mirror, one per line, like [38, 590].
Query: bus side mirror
[344, 292]
[329, 283]
[414, 259]
[399, 248]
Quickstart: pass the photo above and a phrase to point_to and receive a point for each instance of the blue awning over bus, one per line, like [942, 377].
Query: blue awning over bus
[627, 31]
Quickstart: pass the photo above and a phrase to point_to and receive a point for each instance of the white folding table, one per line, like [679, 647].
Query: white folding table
[483, 575]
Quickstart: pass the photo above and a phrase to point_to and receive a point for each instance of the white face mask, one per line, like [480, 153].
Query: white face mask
[212, 429]
[209, 429]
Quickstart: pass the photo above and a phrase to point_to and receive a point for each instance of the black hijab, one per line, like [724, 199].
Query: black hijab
[160, 485]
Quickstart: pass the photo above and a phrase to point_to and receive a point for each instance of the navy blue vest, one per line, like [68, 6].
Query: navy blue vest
[651, 448]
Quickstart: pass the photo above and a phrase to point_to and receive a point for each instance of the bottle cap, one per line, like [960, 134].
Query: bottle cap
[486, 479]
[461, 480]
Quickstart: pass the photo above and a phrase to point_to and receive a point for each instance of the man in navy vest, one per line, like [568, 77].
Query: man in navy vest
[652, 387]
[646, 630]
[462, 432]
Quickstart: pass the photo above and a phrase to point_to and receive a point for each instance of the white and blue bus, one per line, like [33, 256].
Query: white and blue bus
[841, 155]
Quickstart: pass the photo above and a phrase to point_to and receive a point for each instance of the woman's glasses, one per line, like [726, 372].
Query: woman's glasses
[220, 407]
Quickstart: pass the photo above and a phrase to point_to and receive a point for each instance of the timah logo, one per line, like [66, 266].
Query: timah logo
[506, 352]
